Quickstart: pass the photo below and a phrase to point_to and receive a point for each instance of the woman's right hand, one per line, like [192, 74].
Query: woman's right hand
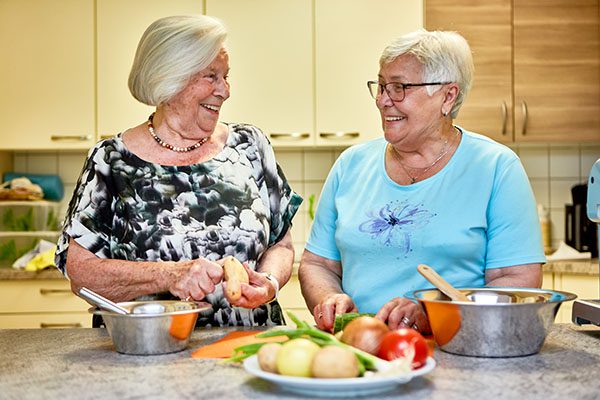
[196, 279]
[325, 312]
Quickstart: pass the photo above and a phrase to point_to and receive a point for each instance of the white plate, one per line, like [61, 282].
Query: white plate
[346, 387]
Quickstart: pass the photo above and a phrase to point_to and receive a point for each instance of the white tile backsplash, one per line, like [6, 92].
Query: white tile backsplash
[70, 166]
[564, 162]
[291, 164]
[535, 161]
[42, 163]
[317, 164]
[552, 169]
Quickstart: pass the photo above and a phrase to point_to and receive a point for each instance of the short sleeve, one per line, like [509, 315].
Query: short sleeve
[322, 235]
[89, 216]
[514, 233]
[283, 201]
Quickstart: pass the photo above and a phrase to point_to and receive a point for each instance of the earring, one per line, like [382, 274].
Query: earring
[445, 113]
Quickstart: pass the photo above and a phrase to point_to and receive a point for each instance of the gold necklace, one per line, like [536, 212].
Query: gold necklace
[445, 149]
[170, 146]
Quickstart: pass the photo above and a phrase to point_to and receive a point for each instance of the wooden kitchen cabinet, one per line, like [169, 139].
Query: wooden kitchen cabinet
[47, 74]
[537, 66]
[299, 73]
[120, 25]
[41, 303]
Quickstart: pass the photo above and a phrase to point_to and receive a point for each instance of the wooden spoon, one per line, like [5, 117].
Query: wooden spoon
[440, 283]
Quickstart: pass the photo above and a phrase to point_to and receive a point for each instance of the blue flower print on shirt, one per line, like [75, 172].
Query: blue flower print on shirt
[394, 224]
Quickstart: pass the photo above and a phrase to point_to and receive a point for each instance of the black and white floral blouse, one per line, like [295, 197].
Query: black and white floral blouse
[238, 203]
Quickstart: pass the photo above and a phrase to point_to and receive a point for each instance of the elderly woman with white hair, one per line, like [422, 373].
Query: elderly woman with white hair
[159, 206]
[428, 192]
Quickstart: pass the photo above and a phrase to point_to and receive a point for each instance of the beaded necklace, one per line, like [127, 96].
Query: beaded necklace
[169, 146]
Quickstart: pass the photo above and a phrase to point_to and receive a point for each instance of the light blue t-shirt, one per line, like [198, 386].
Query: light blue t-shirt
[478, 212]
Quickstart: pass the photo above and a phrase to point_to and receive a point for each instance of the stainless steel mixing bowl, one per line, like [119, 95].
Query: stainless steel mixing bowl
[152, 327]
[498, 322]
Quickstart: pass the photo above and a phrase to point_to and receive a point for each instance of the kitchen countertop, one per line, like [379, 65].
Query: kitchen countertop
[81, 364]
[581, 267]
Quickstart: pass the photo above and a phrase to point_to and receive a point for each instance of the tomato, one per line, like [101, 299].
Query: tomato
[396, 344]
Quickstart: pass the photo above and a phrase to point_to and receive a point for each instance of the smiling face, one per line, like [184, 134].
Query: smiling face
[199, 103]
[418, 115]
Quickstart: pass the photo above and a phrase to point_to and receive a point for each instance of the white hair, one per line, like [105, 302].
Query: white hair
[446, 57]
[170, 52]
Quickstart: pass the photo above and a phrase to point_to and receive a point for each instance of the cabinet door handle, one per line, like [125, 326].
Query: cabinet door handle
[504, 117]
[76, 138]
[45, 325]
[525, 117]
[339, 135]
[290, 136]
[45, 292]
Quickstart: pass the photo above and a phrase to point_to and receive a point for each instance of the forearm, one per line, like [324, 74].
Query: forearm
[319, 278]
[278, 260]
[118, 280]
[529, 275]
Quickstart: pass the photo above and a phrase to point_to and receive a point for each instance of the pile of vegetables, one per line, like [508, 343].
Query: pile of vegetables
[365, 346]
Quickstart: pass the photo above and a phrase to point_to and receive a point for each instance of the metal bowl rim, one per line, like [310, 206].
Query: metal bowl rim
[567, 296]
[198, 309]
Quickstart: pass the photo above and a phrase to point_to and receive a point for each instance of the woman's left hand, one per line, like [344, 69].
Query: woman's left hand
[258, 291]
[403, 313]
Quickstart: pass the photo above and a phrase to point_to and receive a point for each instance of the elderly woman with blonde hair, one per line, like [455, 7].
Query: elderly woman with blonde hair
[158, 207]
[428, 192]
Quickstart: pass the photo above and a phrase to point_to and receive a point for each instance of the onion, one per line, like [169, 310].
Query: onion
[365, 333]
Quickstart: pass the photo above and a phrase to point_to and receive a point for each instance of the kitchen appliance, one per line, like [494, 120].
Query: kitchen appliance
[580, 232]
[588, 311]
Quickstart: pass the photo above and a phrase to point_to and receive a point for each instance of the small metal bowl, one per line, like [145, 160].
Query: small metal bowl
[152, 327]
[499, 322]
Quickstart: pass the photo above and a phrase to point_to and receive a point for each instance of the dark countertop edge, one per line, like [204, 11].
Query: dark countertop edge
[10, 274]
[577, 267]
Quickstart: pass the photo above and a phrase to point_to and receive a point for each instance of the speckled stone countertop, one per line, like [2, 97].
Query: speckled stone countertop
[586, 267]
[81, 364]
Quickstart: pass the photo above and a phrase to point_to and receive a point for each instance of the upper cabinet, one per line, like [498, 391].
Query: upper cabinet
[270, 56]
[47, 74]
[299, 68]
[537, 67]
[120, 25]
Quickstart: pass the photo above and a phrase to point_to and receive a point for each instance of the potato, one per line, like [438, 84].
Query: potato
[267, 357]
[295, 357]
[335, 362]
[235, 275]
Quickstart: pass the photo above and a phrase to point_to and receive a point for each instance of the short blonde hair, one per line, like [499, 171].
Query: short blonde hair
[446, 57]
[170, 52]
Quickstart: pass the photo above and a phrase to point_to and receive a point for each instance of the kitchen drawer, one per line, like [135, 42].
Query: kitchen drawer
[36, 296]
[301, 313]
[290, 295]
[46, 320]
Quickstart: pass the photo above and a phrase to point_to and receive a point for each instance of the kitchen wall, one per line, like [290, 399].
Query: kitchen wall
[552, 170]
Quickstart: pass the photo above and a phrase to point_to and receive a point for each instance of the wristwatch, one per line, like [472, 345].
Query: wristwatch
[275, 284]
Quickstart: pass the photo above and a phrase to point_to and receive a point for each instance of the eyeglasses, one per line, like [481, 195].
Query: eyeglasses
[395, 90]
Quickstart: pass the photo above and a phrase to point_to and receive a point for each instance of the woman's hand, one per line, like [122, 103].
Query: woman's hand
[197, 278]
[258, 291]
[326, 310]
[403, 313]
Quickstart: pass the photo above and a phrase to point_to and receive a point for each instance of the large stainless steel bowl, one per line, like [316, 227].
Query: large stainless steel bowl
[499, 322]
[152, 327]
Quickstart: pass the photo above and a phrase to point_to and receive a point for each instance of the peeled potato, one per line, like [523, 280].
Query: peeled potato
[267, 357]
[235, 275]
[335, 362]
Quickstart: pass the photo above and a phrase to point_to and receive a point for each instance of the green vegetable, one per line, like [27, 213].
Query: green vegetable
[304, 330]
[341, 320]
